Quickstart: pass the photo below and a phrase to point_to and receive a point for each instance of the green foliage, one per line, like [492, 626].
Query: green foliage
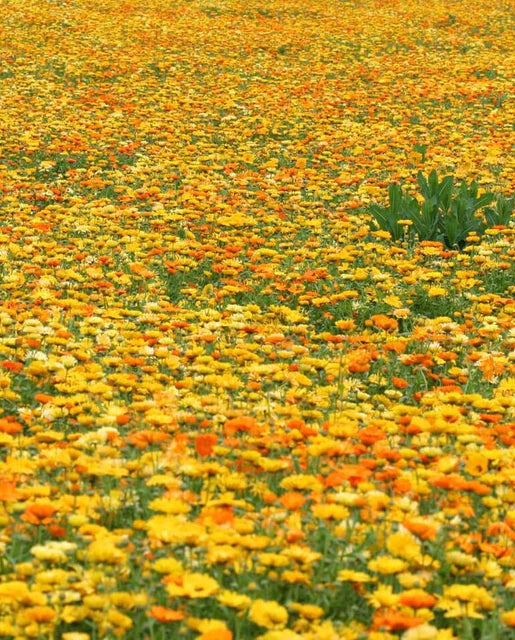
[449, 213]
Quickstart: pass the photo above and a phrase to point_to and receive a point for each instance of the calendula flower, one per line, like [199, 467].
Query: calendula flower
[268, 614]
[347, 575]
[233, 599]
[192, 585]
[387, 565]
[422, 632]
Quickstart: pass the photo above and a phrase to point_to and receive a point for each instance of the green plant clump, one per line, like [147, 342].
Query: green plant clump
[449, 213]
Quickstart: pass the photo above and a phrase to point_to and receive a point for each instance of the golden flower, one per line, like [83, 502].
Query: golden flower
[222, 554]
[268, 614]
[171, 529]
[53, 551]
[105, 551]
[465, 600]
[387, 565]
[169, 505]
[119, 619]
[233, 599]
[294, 576]
[347, 575]
[460, 559]
[273, 560]
[14, 590]
[74, 613]
[422, 632]
[301, 482]
[193, 585]
[329, 511]
[303, 555]
[53, 576]
[508, 617]
[434, 292]
[383, 596]
[168, 565]
[404, 545]
[476, 463]
[39, 614]
[308, 611]
[96, 601]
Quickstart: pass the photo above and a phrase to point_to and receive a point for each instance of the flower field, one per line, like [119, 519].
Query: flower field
[231, 406]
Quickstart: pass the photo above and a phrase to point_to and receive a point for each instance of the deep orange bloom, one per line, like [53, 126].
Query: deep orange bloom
[217, 634]
[10, 426]
[204, 443]
[143, 439]
[39, 513]
[12, 366]
[370, 435]
[392, 620]
[382, 321]
[417, 599]
[423, 530]
[9, 492]
[164, 614]
[218, 515]
[292, 500]
[242, 423]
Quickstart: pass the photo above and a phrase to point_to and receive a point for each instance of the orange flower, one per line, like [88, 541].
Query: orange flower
[143, 439]
[164, 614]
[12, 366]
[370, 435]
[292, 500]
[205, 443]
[39, 513]
[9, 492]
[218, 515]
[242, 423]
[417, 599]
[382, 321]
[8, 425]
[216, 634]
[392, 620]
[40, 614]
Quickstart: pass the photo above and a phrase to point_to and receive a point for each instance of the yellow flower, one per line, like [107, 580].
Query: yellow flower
[476, 463]
[268, 614]
[233, 599]
[347, 575]
[294, 576]
[508, 617]
[168, 565]
[284, 634]
[403, 545]
[193, 585]
[422, 632]
[465, 600]
[119, 619]
[308, 611]
[383, 596]
[435, 292]
[105, 551]
[387, 565]
[301, 482]
[53, 551]
[14, 590]
[460, 559]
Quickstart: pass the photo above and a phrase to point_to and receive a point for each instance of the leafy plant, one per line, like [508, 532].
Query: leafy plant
[448, 213]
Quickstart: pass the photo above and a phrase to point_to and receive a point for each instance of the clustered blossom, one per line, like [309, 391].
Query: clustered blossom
[229, 408]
